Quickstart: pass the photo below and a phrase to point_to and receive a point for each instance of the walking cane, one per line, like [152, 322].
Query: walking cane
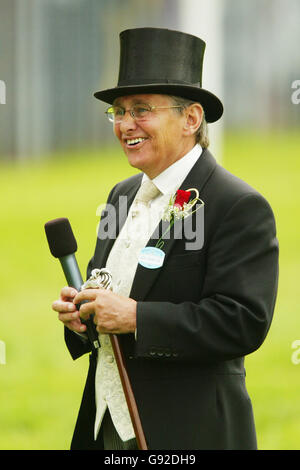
[131, 403]
[63, 245]
[101, 278]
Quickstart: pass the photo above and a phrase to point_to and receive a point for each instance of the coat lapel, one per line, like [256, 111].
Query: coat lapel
[197, 178]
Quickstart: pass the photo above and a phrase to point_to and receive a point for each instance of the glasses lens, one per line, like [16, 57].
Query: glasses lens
[141, 111]
[110, 114]
[115, 113]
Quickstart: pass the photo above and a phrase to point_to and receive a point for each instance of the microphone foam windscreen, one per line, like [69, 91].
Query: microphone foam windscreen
[60, 237]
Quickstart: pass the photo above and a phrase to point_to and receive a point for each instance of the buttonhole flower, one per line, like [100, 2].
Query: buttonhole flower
[179, 207]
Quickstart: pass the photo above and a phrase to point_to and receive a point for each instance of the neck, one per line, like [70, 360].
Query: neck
[153, 172]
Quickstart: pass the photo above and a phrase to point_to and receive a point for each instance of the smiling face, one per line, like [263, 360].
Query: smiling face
[152, 145]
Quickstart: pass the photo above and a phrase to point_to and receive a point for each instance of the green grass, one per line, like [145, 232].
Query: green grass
[41, 386]
[271, 164]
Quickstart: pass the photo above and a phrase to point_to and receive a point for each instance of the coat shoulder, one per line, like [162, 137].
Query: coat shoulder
[227, 195]
[228, 188]
[230, 184]
[124, 186]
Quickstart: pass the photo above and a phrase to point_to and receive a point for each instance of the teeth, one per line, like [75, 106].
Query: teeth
[135, 141]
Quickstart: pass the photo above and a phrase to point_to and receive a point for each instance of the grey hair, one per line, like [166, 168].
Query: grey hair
[201, 135]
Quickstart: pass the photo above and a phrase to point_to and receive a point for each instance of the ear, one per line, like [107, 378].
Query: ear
[193, 119]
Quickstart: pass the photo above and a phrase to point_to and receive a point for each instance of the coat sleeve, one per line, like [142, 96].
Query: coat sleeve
[79, 344]
[237, 300]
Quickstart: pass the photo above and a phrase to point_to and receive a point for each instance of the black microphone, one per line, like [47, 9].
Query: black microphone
[63, 245]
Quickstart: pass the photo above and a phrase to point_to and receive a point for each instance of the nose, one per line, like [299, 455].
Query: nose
[128, 122]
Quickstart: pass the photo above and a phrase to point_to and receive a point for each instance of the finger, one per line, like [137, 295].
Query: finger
[63, 307]
[68, 317]
[86, 310]
[68, 293]
[86, 294]
[75, 325]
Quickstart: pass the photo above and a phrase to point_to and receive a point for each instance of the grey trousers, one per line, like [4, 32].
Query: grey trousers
[111, 438]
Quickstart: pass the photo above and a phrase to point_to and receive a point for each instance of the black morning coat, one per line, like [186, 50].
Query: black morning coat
[197, 317]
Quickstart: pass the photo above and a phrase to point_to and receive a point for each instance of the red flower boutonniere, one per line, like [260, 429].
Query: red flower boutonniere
[179, 207]
[181, 197]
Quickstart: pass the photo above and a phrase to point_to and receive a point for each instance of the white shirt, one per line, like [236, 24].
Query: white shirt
[172, 177]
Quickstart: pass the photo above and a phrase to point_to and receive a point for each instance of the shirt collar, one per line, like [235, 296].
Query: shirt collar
[172, 177]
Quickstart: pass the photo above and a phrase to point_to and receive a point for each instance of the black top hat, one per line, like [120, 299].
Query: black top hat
[154, 60]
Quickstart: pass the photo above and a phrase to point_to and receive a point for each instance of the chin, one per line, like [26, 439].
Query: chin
[137, 160]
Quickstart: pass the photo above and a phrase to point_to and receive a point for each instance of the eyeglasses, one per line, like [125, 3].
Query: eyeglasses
[139, 112]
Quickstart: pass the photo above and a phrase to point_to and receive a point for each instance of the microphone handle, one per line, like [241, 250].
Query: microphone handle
[74, 279]
[71, 271]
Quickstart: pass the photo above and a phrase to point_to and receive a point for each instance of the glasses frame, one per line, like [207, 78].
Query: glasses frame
[150, 108]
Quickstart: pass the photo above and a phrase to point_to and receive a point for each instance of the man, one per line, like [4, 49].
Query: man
[186, 321]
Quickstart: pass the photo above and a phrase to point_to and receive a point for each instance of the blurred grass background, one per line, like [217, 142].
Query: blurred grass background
[41, 386]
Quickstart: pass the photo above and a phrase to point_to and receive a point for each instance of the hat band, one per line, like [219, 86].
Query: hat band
[161, 81]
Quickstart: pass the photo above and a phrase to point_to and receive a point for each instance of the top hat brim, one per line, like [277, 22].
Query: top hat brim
[212, 106]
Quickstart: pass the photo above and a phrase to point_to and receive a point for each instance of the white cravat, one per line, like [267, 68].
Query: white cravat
[143, 218]
[122, 263]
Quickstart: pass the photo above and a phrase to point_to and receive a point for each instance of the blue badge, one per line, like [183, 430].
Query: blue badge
[151, 257]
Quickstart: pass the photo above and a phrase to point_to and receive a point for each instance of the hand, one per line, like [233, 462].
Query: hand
[67, 312]
[113, 313]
